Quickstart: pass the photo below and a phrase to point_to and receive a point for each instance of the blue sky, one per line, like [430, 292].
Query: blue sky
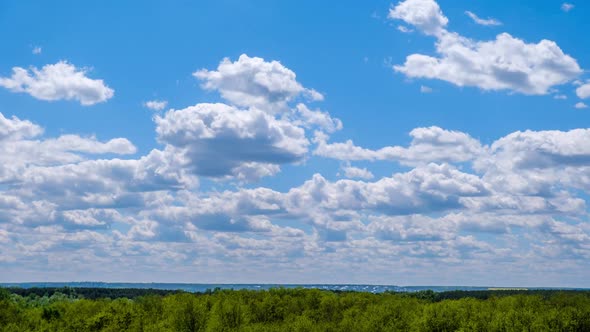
[415, 142]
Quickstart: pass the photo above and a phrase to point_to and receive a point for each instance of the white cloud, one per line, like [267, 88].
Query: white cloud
[15, 129]
[37, 50]
[566, 7]
[355, 172]
[404, 29]
[218, 139]
[254, 82]
[542, 148]
[425, 15]
[424, 189]
[431, 144]
[415, 228]
[156, 105]
[59, 181]
[560, 97]
[21, 148]
[583, 91]
[60, 81]
[480, 21]
[224, 141]
[317, 118]
[580, 105]
[425, 89]
[67, 194]
[506, 63]
[538, 162]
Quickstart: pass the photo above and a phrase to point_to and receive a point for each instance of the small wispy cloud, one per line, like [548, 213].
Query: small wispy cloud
[404, 29]
[425, 89]
[156, 105]
[566, 7]
[481, 21]
[561, 97]
[580, 105]
[37, 50]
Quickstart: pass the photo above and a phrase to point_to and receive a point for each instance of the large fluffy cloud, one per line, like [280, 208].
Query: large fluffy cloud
[264, 125]
[56, 82]
[506, 63]
[539, 162]
[41, 178]
[252, 81]
[422, 190]
[219, 139]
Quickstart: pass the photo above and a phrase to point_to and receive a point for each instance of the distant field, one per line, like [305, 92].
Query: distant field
[108, 309]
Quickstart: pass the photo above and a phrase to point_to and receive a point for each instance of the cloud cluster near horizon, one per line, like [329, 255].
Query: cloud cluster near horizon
[60, 196]
[76, 203]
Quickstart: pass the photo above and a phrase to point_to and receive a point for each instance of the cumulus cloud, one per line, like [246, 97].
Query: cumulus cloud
[263, 126]
[538, 162]
[316, 118]
[424, 189]
[16, 129]
[536, 149]
[355, 172]
[583, 91]
[580, 105]
[44, 178]
[21, 147]
[218, 139]
[425, 15]
[432, 144]
[60, 81]
[254, 82]
[481, 21]
[506, 63]
[422, 213]
[521, 198]
[412, 228]
[156, 105]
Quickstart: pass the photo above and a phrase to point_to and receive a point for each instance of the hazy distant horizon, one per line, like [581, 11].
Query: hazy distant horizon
[203, 287]
[119, 284]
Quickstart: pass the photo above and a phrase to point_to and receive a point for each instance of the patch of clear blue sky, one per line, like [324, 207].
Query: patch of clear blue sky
[148, 50]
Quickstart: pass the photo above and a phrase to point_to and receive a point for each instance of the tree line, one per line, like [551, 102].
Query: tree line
[293, 310]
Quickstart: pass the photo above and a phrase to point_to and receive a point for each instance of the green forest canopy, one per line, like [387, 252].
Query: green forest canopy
[87, 309]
